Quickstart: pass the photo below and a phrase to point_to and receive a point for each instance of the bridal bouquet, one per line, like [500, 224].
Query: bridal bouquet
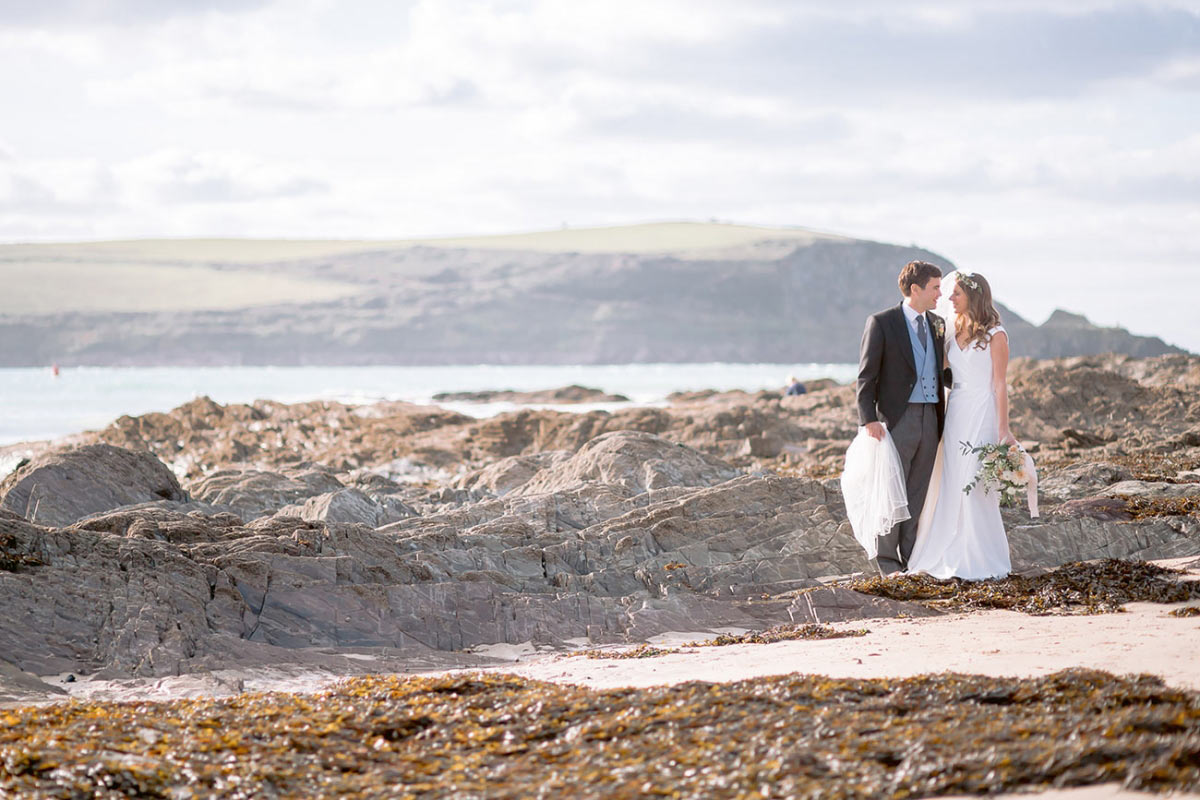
[1001, 469]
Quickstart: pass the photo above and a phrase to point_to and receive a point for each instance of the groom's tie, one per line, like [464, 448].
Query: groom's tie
[921, 334]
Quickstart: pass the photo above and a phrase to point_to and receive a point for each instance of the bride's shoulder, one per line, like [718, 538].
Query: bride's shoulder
[997, 329]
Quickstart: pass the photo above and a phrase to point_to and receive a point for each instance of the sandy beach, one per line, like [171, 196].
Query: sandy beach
[995, 643]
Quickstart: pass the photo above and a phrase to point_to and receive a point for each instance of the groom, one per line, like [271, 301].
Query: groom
[900, 385]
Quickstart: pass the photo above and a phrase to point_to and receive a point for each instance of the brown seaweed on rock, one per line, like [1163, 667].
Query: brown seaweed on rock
[11, 559]
[1097, 587]
[508, 737]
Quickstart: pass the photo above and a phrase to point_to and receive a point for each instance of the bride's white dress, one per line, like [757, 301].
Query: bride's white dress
[962, 535]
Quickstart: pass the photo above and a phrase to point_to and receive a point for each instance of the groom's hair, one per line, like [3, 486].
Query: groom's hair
[917, 273]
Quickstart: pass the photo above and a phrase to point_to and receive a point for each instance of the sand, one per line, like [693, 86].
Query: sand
[1145, 639]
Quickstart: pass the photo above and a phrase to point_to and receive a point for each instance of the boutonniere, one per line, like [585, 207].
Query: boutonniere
[939, 327]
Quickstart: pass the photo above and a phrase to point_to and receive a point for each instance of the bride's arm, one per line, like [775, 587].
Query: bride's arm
[999, 349]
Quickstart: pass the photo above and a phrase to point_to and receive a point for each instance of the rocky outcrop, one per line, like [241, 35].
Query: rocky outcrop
[425, 531]
[1081, 480]
[350, 505]
[253, 493]
[634, 461]
[567, 395]
[596, 545]
[61, 486]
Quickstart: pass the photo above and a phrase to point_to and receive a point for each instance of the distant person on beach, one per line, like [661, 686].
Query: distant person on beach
[795, 387]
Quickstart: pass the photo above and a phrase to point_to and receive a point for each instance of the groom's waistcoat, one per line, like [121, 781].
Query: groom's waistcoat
[889, 372]
[926, 361]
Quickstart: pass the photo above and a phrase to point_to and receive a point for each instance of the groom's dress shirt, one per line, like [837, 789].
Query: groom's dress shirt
[925, 358]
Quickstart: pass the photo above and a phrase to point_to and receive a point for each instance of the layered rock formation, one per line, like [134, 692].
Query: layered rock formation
[320, 533]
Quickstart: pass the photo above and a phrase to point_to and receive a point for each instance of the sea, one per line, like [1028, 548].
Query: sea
[37, 404]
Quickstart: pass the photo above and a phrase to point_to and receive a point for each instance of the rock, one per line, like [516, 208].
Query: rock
[20, 687]
[634, 461]
[1055, 541]
[1084, 438]
[255, 493]
[566, 395]
[1081, 480]
[1152, 489]
[1101, 508]
[605, 555]
[838, 604]
[764, 446]
[304, 541]
[503, 476]
[61, 486]
[351, 506]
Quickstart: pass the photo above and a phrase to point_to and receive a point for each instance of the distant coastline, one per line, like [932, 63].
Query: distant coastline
[666, 293]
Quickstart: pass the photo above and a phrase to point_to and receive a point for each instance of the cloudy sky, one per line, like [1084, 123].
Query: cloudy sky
[1052, 145]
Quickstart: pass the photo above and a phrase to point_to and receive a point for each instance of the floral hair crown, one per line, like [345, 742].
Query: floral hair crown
[968, 280]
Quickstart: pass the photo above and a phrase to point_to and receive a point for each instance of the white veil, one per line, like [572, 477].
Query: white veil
[943, 308]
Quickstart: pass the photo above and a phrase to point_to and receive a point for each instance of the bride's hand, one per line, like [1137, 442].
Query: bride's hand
[1007, 438]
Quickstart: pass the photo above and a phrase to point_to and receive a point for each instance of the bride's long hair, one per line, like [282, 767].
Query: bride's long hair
[981, 315]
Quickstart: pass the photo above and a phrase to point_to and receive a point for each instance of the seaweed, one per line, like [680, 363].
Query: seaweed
[1076, 588]
[1186, 611]
[1146, 507]
[502, 736]
[779, 633]
[11, 559]
[641, 651]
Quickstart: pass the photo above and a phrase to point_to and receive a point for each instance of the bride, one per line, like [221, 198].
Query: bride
[962, 535]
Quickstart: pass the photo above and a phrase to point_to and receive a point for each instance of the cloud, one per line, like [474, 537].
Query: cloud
[56, 188]
[179, 177]
[83, 13]
[899, 58]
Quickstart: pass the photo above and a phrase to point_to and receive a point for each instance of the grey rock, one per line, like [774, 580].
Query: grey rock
[1056, 541]
[61, 486]
[507, 474]
[252, 493]
[1081, 480]
[352, 506]
[764, 446]
[1153, 490]
[20, 687]
[634, 461]
[838, 604]
[1101, 508]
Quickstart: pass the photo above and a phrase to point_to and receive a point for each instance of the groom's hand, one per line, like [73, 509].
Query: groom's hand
[875, 430]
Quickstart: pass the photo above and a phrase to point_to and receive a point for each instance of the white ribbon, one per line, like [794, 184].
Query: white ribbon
[1031, 487]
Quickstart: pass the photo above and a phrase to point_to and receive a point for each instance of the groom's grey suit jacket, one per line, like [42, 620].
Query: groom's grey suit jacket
[887, 369]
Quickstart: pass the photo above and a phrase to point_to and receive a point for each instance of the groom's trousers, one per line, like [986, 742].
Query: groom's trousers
[916, 440]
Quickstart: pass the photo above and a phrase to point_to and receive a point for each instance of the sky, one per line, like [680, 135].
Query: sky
[1053, 146]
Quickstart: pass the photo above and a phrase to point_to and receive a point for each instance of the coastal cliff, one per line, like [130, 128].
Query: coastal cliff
[777, 296]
